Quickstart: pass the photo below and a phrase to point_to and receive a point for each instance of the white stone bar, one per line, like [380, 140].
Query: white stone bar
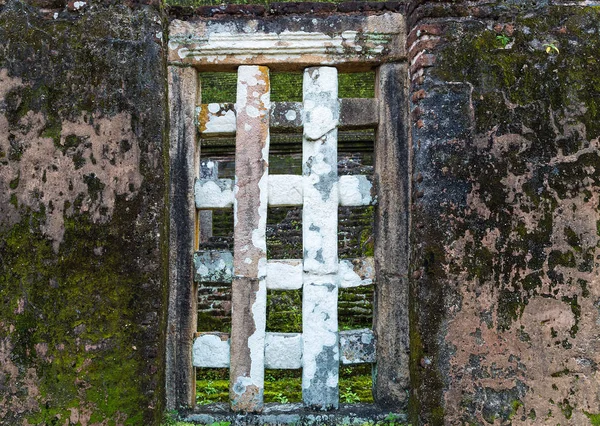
[355, 190]
[285, 190]
[357, 346]
[216, 119]
[284, 274]
[211, 350]
[320, 361]
[283, 350]
[213, 193]
[249, 289]
[220, 119]
[356, 273]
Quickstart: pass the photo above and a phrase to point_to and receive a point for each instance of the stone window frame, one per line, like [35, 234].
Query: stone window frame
[350, 43]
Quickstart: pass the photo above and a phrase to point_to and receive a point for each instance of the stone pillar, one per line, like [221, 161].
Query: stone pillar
[182, 310]
[319, 237]
[391, 239]
[249, 291]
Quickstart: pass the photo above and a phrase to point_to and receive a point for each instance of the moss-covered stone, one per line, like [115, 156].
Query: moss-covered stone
[82, 269]
[507, 146]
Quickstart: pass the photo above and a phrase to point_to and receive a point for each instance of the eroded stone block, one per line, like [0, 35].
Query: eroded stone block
[212, 266]
[357, 346]
[211, 350]
[283, 350]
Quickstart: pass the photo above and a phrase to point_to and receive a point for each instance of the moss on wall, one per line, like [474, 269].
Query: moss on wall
[504, 220]
[82, 265]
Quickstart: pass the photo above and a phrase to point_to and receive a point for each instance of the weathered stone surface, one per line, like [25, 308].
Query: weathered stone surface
[505, 257]
[391, 322]
[213, 266]
[320, 363]
[211, 350]
[82, 214]
[249, 290]
[182, 299]
[288, 42]
[357, 346]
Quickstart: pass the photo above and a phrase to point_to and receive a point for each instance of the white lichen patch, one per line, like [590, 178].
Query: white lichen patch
[283, 350]
[290, 115]
[211, 350]
[213, 193]
[285, 190]
[256, 342]
[355, 190]
[284, 274]
[319, 322]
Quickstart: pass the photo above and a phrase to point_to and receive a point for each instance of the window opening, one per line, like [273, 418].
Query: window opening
[327, 121]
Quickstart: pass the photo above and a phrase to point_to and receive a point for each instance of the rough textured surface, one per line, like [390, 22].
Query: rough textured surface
[320, 362]
[183, 170]
[361, 41]
[249, 288]
[82, 269]
[391, 387]
[505, 231]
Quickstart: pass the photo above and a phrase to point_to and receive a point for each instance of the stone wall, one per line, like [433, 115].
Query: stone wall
[505, 226]
[82, 178]
[505, 221]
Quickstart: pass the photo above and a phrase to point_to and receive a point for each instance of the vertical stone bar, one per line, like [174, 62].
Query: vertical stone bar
[182, 310]
[391, 324]
[319, 237]
[249, 289]
[209, 169]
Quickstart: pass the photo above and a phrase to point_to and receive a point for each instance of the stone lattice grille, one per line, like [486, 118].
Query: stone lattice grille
[320, 348]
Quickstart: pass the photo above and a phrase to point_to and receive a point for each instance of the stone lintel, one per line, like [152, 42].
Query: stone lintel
[357, 346]
[220, 119]
[349, 42]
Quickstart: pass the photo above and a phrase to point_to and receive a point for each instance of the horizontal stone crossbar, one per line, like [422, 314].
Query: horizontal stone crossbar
[283, 350]
[283, 190]
[219, 119]
[217, 267]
